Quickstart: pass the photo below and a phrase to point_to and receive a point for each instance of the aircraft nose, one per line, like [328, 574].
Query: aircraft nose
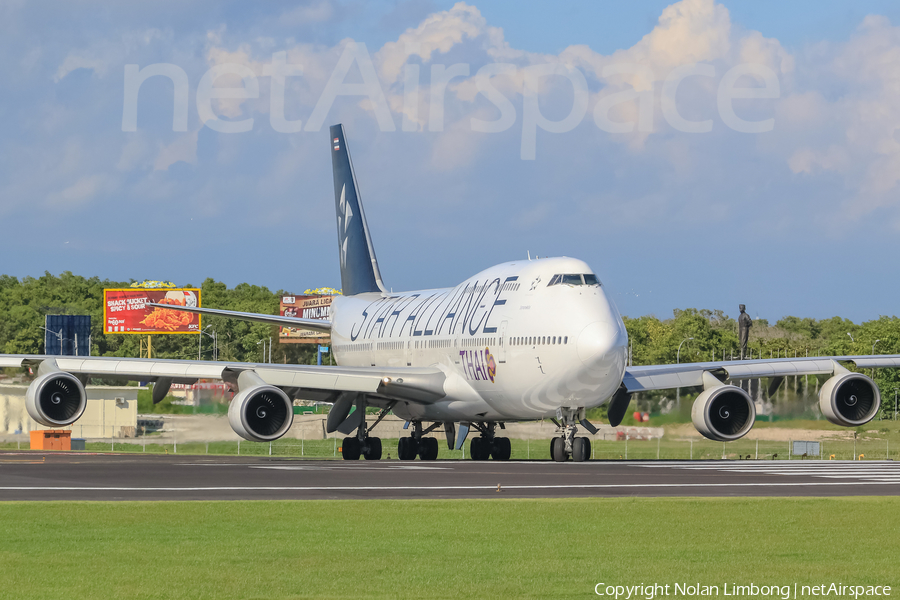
[596, 341]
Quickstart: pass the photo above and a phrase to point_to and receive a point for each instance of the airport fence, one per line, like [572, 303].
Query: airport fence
[652, 449]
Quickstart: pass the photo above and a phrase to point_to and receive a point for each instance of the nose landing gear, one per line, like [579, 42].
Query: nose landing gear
[562, 447]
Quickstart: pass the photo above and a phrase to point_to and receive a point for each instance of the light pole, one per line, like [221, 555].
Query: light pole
[678, 354]
[851, 337]
[873, 346]
[263, 342]
[214, 339]
[895, 404]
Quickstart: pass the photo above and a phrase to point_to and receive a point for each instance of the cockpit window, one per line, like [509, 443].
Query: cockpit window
[574, 279]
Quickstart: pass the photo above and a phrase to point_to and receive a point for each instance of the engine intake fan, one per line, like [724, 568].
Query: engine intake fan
[849, 399]
[55, 398]
[261, 412]
[723, 413]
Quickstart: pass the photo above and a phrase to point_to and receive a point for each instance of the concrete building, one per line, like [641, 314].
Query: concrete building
[111, 412]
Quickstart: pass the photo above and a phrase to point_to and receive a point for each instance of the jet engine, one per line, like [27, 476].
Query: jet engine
[723, 413]
[55, 398]
[849, 399]
[261, 413]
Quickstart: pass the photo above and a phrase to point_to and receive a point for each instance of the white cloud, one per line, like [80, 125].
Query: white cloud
[101, 55]
[313, 12]
[73, 62]
[438, 33]
[79, 194]
[134, 152]
[184, 148]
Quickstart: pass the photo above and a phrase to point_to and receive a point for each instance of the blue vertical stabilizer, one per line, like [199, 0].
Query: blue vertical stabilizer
[359, 268]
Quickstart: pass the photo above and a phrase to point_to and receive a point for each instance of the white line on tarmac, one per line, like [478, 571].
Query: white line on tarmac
[441, 487]
[766, 467]
[814, 471]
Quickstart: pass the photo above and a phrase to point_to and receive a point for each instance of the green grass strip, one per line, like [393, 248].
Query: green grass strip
[665, 449]
[439, 548]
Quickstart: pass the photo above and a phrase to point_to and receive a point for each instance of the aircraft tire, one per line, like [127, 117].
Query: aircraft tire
[558, 449]
[502, 449]
[475, 449]
[428, 449]
[350, 448]
[407, 449]
[374, 452]
[581, 449]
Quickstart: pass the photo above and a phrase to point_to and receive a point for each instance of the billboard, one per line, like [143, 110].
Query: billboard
[125, 311]
[67, 335]
[305, 307]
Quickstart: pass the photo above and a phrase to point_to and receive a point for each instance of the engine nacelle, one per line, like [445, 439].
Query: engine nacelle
[849, 399]
[723, 413]
[261, 413]
[55, 399]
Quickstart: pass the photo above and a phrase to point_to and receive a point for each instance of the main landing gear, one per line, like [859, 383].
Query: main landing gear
[417, 444]
[363, 444]
[487, 445]
[562, 447]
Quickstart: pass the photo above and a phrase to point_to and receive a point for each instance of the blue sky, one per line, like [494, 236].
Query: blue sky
[800, 219]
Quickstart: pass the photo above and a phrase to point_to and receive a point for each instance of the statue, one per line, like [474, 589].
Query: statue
[744, 325]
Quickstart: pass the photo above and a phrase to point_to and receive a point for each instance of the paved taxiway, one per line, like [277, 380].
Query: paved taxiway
[58, 476]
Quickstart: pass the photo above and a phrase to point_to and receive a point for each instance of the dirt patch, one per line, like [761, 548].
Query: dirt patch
[776, 434]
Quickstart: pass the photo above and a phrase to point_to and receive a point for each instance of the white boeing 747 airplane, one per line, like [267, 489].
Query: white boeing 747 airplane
[520, 341]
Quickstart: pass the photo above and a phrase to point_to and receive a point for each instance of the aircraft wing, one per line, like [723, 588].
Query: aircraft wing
[320, 325]
[852, 399]
[662, 377]
[309, 382]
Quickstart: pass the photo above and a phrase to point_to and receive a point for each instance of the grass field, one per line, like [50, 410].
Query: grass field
[439, 548]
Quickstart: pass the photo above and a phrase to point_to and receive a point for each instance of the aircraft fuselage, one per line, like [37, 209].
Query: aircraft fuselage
[513, 346]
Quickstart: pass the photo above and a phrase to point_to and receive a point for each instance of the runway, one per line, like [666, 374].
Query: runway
[80, 476]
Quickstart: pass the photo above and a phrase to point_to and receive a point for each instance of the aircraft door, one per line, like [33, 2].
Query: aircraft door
[409, 353]
[501, 354]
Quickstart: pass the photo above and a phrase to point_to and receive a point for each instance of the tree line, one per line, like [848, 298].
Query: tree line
[715, 337]
[25, 303]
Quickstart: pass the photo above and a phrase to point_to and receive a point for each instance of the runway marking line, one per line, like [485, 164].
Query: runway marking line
[440, 487]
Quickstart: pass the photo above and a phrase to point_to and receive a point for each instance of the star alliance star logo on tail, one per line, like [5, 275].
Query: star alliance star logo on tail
[346, 213]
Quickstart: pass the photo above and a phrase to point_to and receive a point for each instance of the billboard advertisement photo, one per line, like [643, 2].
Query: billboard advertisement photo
[126, 311]
[305, 307]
